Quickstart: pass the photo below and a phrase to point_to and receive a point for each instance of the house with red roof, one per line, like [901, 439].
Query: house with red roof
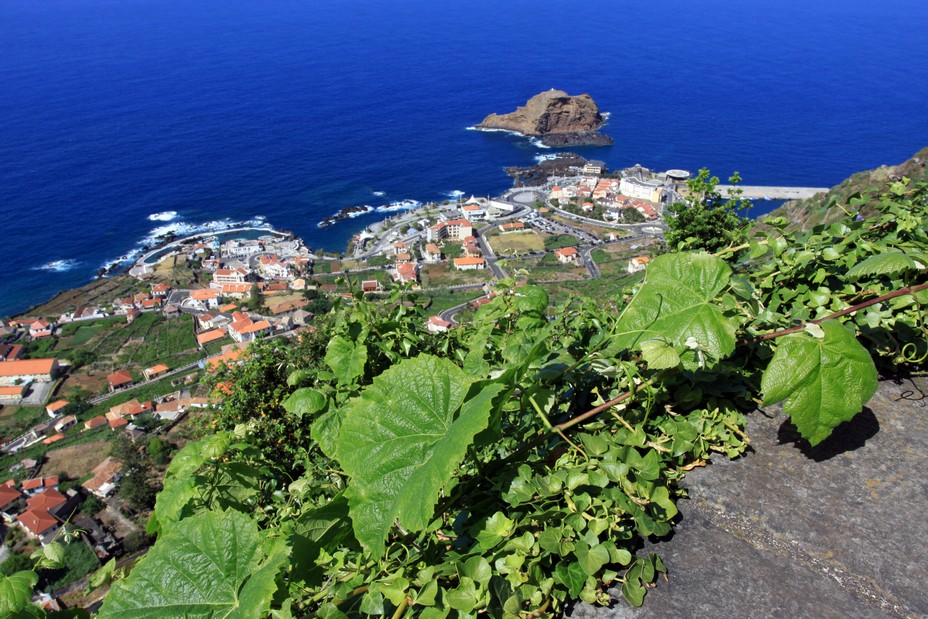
[120, 379]
[10, 352]
[65, 423]
[155, 371]
[27, 370]
[469, 263]
[273, 267]
[431, 253]
[371, 285]
[44, 513]
[40, 525]
[230, 276]
[436, 324]
[54, 438]
[205, 298]
[106, 476]
[406, 273]
[12, 394]
[160, 290]
[56, 408]
[567, 255]
[96, 422]
[12, 501]
[637, 264]
[40, 328]
[118, 423]
[39, 485]
[210, 336]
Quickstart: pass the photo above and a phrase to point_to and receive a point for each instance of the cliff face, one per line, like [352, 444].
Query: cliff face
[805, 214]
[557, 118]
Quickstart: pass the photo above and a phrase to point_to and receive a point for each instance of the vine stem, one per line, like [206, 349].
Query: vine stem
[886, 297]
[561, 427]
[607, 405]
[401, 609]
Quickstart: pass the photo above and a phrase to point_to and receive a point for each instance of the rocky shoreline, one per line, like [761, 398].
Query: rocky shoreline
[349, 212]
[538, 174]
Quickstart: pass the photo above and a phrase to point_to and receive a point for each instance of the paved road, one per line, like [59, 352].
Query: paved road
[837, 531]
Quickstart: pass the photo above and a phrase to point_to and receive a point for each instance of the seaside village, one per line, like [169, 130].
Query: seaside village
[120, 361]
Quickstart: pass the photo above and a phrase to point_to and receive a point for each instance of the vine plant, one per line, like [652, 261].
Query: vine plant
[512, 465]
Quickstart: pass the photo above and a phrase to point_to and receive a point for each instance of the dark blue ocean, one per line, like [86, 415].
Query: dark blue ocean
[120, 117]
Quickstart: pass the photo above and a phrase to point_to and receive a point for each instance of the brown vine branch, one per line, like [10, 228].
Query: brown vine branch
[886, 297]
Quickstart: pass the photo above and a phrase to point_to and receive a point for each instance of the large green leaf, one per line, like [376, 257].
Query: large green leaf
[677, 303]
[402, 441]
[16, 592]
[179, 486]
[824, 381]
[209, 565]
[891, 263]
[346, 359]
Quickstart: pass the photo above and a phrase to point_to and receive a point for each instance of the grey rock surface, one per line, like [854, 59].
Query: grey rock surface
[839, 530]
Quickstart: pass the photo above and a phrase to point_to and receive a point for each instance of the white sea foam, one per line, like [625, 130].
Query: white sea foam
[454, 194]
[475, 128]
[367, 209]
[181, 229]
[57, 266]
[537, 143]
[402, 205]
[540, 158]
[163, 216]
[379, 194]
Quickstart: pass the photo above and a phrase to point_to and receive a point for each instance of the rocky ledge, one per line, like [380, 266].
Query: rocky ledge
[349, 212]
[555, 117]
[564, 164]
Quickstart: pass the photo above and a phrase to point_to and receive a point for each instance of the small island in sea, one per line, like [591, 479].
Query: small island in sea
[556, 118]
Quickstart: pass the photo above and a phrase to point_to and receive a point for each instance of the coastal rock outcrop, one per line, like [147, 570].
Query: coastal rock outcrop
[557, 118]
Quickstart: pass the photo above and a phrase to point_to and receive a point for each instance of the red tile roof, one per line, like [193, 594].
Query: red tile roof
[157, 369]
[118, 423]
[210, 336]
[54, 438]
[27, 367]
[119, 377]
[37, 522]
[467, 261]
[8, 496]
[46, 501]
[56, 406]
[96, 422]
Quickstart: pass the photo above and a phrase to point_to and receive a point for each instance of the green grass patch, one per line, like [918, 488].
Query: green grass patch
[165, 341]
[559, 241]
[444, 275]
[452, 250]
[517, 242]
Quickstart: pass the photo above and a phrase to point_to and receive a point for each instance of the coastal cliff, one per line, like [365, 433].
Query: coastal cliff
[557, 118]
[820, 209]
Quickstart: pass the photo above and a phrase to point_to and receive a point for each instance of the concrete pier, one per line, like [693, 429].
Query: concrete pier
[773, 193]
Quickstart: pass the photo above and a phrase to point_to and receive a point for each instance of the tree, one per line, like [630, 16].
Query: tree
[158, 451]
[254, 297]
[632, 216]
[706, 220]
[259, 388]
[135, 487]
